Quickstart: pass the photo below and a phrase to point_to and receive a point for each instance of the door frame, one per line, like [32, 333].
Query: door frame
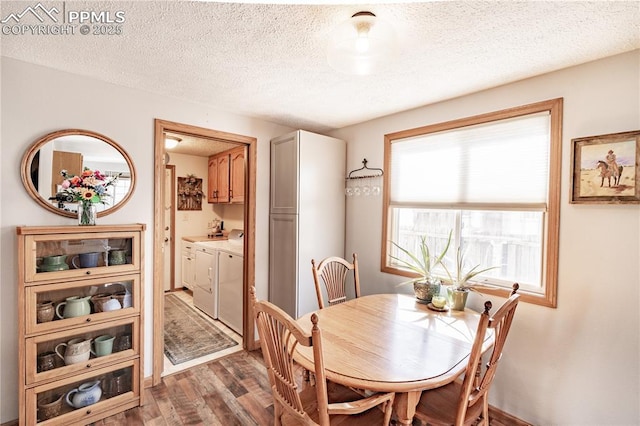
[172, 227]
[160, 127]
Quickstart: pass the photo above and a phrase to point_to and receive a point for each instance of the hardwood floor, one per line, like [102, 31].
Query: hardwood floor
[231, 391]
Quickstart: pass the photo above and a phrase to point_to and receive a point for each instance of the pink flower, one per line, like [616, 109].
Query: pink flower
[65, 184]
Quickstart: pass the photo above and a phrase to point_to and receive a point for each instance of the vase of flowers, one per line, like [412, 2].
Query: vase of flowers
[87, 213]
[88, 189]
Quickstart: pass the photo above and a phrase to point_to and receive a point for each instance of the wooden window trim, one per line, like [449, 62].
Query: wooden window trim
[552, 219]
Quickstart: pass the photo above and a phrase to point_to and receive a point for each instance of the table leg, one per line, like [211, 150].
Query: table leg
[405, 406]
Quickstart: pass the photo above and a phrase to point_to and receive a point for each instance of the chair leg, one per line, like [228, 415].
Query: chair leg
[485, 410]
[388, 410]
[277, 414]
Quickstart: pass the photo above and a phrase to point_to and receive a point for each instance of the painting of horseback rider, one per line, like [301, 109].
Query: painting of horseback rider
[609, 169]
[606, 168]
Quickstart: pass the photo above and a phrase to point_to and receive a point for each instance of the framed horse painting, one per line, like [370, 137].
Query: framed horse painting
[606, 169]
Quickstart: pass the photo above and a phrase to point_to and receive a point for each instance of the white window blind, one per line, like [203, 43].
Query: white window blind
[502, 162]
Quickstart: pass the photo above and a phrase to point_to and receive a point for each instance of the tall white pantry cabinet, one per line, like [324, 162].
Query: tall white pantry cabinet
[307, 215]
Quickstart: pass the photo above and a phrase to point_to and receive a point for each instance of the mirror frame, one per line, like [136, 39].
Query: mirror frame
[25, 168]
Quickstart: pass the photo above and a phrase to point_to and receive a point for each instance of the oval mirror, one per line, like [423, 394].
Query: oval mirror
[73, 150]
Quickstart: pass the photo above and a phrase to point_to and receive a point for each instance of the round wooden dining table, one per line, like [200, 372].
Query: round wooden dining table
[392, 343]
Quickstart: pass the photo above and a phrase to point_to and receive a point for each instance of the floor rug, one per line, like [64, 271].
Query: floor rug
[187, 335]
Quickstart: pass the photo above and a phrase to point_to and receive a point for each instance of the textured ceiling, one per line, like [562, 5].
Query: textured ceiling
[268, 60]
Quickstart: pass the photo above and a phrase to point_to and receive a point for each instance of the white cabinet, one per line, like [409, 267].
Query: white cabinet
[307, 215]
[188, 264]
[230, 273]
[205, 290]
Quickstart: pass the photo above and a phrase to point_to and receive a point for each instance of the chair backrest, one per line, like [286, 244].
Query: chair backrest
[333, 272]
[279, 336]
[476, 383]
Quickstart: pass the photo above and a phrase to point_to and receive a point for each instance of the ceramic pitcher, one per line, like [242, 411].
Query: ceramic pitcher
[76, 350]
[52, 263]
[86, 394]
[74, 306]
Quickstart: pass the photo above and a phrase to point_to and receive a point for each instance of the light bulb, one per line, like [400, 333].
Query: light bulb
[362, 43]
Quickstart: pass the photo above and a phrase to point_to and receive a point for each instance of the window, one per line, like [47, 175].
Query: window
[494, 181]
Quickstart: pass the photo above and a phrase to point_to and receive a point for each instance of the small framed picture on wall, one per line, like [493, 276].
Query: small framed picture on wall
[606, 168]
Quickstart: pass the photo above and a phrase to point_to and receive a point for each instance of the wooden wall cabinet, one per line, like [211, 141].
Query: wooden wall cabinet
[218, 178]
[212, 187]
[226, 177]
[236, 175]
[45, 376]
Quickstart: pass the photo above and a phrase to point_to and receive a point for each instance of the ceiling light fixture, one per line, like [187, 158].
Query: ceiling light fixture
[361, 45]
[170, 141]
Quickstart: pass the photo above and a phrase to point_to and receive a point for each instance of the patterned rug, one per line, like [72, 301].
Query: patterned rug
[187, 335]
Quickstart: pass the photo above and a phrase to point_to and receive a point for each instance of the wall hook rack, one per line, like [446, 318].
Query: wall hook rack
[364, 184]
[375, 171]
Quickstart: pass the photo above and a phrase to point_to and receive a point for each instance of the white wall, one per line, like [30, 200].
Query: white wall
[192, 222]
[38, 100]
[189, 223]
[578, 364]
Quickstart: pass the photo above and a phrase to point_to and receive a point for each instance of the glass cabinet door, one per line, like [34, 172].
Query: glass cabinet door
[57, 355]
[55, 257]
[52, 306]
[82, 398]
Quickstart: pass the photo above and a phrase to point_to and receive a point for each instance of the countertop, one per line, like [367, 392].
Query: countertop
[199, 238]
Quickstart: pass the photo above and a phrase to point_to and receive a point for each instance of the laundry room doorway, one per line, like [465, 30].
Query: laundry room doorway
[239, 207]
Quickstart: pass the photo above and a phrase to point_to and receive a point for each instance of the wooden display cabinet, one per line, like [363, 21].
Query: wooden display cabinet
[61, 303]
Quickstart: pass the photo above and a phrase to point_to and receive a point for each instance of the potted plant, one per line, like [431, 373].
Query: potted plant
[460, 285]
[426, 285]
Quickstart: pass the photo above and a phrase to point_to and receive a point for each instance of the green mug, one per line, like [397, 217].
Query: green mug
[117, 257]
[103, 345]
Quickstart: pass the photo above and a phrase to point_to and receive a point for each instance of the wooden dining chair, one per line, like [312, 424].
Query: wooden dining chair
[464, 402]
[324, 403]
[333, 272]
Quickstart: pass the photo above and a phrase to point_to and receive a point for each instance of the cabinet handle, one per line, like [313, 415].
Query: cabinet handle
[88, 272]
[88, 319]
[88, 411]
[88, 365]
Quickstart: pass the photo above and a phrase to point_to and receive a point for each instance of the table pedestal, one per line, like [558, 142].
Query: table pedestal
[405, 406]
